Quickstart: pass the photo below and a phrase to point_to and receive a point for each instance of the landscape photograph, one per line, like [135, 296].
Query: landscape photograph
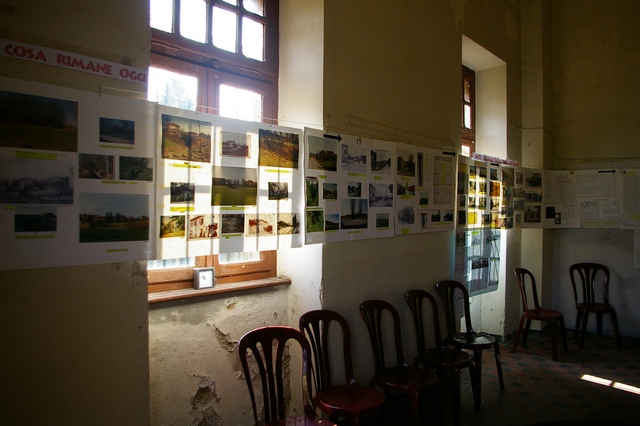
[35, 219]
[113, 130]
[354, 213]
[381, 161]
[136, 168]
[278, 190]
[382, 221]
[315, 221]
[172, 226]
[278, 149]
[311, 191]
[331, 222]
[36, 182]
[329, 191]
[323, 153]
[288, 223]
[96, 166]
[106, 217]
[235, 144]
[186, 139]
[406, 163]
[234, 186]
[183, 192]
[37, 122]
[232, 224]
[380, 195]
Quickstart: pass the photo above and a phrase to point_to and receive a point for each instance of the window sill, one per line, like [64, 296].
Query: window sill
[217, 289]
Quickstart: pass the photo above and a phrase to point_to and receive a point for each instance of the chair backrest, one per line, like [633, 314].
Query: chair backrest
[268, 345]
[584, 278]
[450, 293]
[315, 325]
[415, 299]
[526, 279]
[372, 312]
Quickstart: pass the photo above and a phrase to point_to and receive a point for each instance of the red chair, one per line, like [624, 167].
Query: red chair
[400, 378]
[526, 279]
[588, 300]
[451, 292]
[440, 358]
[268, 346]
[350, 399]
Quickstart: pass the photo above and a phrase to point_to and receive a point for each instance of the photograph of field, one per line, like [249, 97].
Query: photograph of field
[108, 217]
[37, 122]
[323, 153]
[331, 222]
[35, 219]
[186, 139]
[113, 130]
[234, 186]
[278, 149]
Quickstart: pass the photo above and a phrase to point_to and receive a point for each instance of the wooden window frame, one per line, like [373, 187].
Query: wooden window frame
[212, 67]
[469, 134]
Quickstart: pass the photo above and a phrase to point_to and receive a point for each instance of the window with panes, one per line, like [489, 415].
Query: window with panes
[219, 57]
[468, 111]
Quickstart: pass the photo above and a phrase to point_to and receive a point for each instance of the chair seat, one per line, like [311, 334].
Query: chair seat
[404, 378]
[343, 400]
[542, 314]
[305, 420]
[595, 307]
[476, 339]
[447, 357]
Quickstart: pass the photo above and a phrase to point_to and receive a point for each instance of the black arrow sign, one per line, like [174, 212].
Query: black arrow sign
[339, 138]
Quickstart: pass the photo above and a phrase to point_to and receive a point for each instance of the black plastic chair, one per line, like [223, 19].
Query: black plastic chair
[445, 361]
[584, 278]
[450, 293]
[400, 378]
[268, 346]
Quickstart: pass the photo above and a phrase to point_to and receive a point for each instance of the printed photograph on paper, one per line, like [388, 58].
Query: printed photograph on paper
[311, 191]
[261, 224]
[381, 161]
[172, 226]
[278, 190]
[354, 213]
[278, 149]
[35, 219]
[288, 223]
[329, 191]
[331, 222]
[186, 139]
[113, 130]
[136, 168]
[380, 195]
[96, 166]
[323, 153]
[353, 158]
[235, 144]
[37, 122]
[203, 226]
[315, 221]
[406, 163]
[234, 186]
[106, 217]
[382, 221]
[232, 224]
[182, 192]
[36, 182]
[354, 189]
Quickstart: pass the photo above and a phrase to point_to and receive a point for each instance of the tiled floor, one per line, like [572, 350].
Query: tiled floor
[541, 390]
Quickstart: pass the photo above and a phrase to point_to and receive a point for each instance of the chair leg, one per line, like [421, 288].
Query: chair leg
[415, 408]
[515, 343]
[526, 332]
[578, 323]
[583, 328]
[475, 385]
[616, 331]
[554, 348]
[456, 397]
[499, 364]
[564, 334]
[599, 323]
[477, 359]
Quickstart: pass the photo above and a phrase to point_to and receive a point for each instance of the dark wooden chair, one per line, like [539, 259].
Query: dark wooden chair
[350, 399]
[445, 361]
[267, 346]
[526, 281]
[586, 278]
[400, 378]
[451, 292]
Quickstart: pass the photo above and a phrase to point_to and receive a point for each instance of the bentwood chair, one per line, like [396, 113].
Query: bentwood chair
[350, 399]
[586, 278]
[268, 347]
[400, 378]
[445, 361]
[528, 285]
[451, 293]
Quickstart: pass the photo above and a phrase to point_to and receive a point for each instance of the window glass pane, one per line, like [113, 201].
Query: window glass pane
[193, 20]
[467, 116]
[224, 29]
[467, 91]
[233, 2]
[240, 103]
[172, 89]
[252, 39]
[161, 15]
[240, 257]
[466, 151]
[254, 6]
[171, 263]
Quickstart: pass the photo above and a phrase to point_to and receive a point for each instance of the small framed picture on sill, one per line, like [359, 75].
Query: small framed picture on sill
[204, 277]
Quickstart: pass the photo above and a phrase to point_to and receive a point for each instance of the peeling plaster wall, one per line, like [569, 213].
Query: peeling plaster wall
[596, 56]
